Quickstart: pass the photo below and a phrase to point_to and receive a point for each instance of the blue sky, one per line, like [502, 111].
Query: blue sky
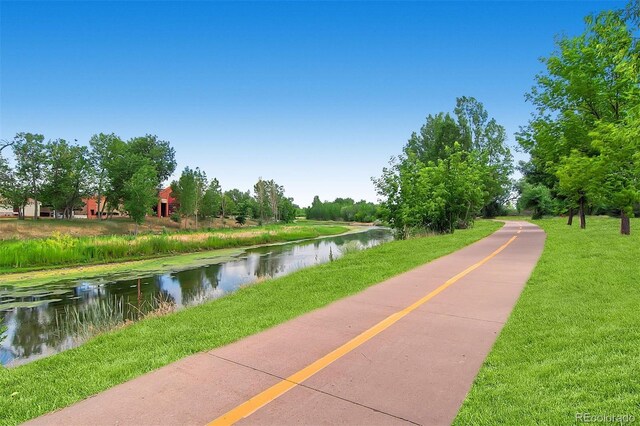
[316, 95]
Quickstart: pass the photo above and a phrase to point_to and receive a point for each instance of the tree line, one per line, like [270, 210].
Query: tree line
[345, 209]
[59, 174]
[123, 175]
[454, 169]
[584, 137]
[200, 198]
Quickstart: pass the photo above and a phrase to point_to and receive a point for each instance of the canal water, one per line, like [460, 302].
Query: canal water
[38, 318]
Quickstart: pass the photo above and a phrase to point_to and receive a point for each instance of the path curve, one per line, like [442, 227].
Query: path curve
[426, 333]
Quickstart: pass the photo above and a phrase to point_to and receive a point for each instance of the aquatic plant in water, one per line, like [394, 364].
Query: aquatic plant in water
[109, 314]
[351, 247]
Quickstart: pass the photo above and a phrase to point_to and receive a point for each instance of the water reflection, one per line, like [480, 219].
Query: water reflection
[32, 315]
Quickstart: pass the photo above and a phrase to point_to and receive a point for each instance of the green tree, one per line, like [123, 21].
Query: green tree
[160, 153]
[590, 79]
[125, 158]
[342, 209]
[537, 198]
[488, 140]
[31, 165]
[286, 210]
[440, 195]
[119, 165]
[13, 192]
[575, 174]
[212, 200]
[69, 176]
[616, 170]
[185, 191]
[141, 193]
[436, 182]
[262, 200]
[104, 150]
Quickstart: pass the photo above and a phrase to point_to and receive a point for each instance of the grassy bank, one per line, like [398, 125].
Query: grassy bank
[122, 270]
[14, 229]
[63, 250]
[572, 343]
[113, 358]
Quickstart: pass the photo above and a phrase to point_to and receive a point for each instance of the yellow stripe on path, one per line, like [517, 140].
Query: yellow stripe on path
[252, 405]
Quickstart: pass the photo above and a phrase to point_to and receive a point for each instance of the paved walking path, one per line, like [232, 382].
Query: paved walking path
[403, 351]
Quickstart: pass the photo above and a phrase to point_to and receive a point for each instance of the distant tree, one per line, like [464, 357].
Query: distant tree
[212, 200]
[185, 192]
[141, 193]
[260, 190]
[127, 157]
[286, 210]
[275, 193]
[438, 196]
[158, 152]
[342, 209]
[241, 219]
[120, 164]
[439, 132]
[536, 197]
[575, 181]
[201, 188]
[104, 148]
[13, 192]
[69, 176]
[488, 139]
[31, 165]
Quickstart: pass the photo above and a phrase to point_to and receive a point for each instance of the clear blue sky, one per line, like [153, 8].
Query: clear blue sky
[317, 95]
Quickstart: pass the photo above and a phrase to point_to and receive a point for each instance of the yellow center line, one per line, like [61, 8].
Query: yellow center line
[263, 398]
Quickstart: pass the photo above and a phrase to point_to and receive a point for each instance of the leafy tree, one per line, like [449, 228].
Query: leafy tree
[575, 180]
[452, 171]
[262, 200]
[590, 79]
[342, 209]
[286, 210]
[160, 153]
[536, 197]
[13, 192]
[104, 151]
[185, 191]
[119, 165]
[439, 132]
[275, 193]
[141, 193]
[212, 200]
[240, 203]
[487, 139]
[616, 170]
[69, 176]
[439, 196]
[31, 165]
[125, 158]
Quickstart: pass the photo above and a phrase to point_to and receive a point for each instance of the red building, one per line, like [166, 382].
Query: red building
[166, 206]
[90, 209]
[166, 203]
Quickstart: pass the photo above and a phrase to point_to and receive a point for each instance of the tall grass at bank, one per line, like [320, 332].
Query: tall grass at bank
[113, 358]
[572, 343]
[64, 250]
[84, 322]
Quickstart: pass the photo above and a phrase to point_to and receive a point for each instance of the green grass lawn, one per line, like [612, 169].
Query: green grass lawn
[64, 250]
[572, 343]
[118, 356]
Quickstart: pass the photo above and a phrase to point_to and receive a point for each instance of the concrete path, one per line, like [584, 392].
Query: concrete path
[408, 351]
